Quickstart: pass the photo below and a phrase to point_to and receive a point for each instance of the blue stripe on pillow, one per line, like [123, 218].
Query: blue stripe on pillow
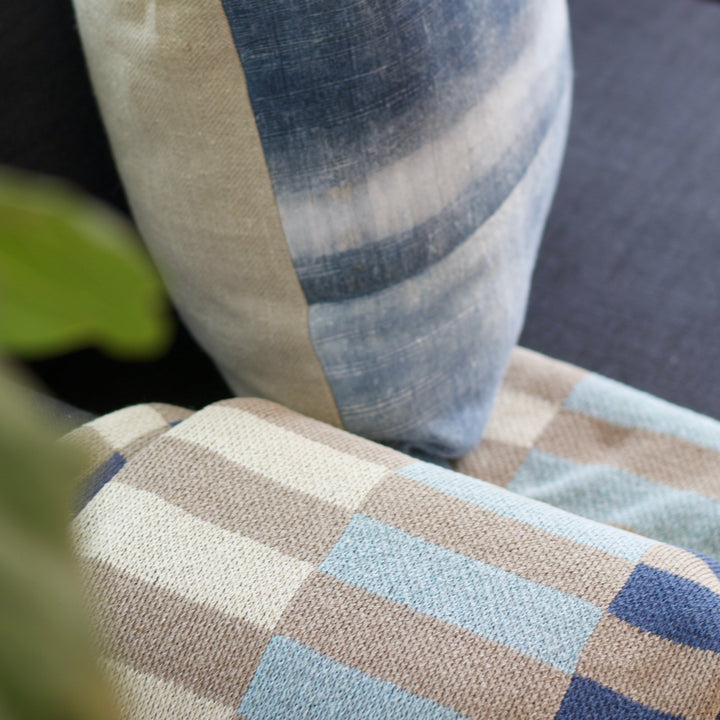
[381, 263]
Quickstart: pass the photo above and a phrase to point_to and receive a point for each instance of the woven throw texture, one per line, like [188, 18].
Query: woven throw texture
[248, 562]
[603, 450]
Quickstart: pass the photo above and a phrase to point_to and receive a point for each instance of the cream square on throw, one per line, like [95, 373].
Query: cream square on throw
[519, 419]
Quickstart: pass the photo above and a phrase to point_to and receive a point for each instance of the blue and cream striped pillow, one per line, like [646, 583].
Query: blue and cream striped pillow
[345, 198]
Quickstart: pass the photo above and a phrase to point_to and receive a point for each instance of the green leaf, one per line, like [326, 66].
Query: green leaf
[48, 667]
[73, 273]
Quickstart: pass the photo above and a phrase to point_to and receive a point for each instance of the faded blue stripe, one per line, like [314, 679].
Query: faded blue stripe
[382, 262]
[588, 700]
[610, 495]
[553, 520]
[670, 606]
[344, 88]
[421, 361]
[617, 403]
[294, 681]
[540, 621]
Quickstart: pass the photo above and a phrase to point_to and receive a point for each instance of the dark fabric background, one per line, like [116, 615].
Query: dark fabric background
[627, 282]
[48, 118]
[49, 123]
[628, 279]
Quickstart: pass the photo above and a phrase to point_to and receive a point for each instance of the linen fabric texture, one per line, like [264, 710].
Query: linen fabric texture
[246, 561]
[345, 199]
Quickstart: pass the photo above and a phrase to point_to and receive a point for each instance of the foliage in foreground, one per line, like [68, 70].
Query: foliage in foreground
[72, 273]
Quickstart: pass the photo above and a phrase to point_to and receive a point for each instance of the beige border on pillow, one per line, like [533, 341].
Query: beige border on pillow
[175, 104]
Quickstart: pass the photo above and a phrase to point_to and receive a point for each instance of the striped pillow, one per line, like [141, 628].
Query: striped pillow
[248, 562]
[345, 198]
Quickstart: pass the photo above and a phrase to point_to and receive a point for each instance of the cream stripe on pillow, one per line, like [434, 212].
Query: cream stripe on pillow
[175, 104]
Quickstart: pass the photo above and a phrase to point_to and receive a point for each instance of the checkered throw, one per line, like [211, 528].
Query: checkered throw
[245, 561]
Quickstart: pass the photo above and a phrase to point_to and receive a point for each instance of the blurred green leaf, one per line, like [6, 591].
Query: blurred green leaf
[48, 669]
[72, 273]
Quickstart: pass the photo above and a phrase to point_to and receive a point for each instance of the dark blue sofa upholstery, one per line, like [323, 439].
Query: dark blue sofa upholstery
[628, 279]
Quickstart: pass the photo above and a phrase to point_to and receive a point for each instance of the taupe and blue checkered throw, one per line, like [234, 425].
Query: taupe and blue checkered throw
[245, 561]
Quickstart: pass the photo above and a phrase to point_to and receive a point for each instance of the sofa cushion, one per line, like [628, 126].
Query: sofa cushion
[345, 203]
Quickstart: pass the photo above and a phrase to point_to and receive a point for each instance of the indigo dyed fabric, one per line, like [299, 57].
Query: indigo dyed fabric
[345, 198]
[250, 562]
[413, 148]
